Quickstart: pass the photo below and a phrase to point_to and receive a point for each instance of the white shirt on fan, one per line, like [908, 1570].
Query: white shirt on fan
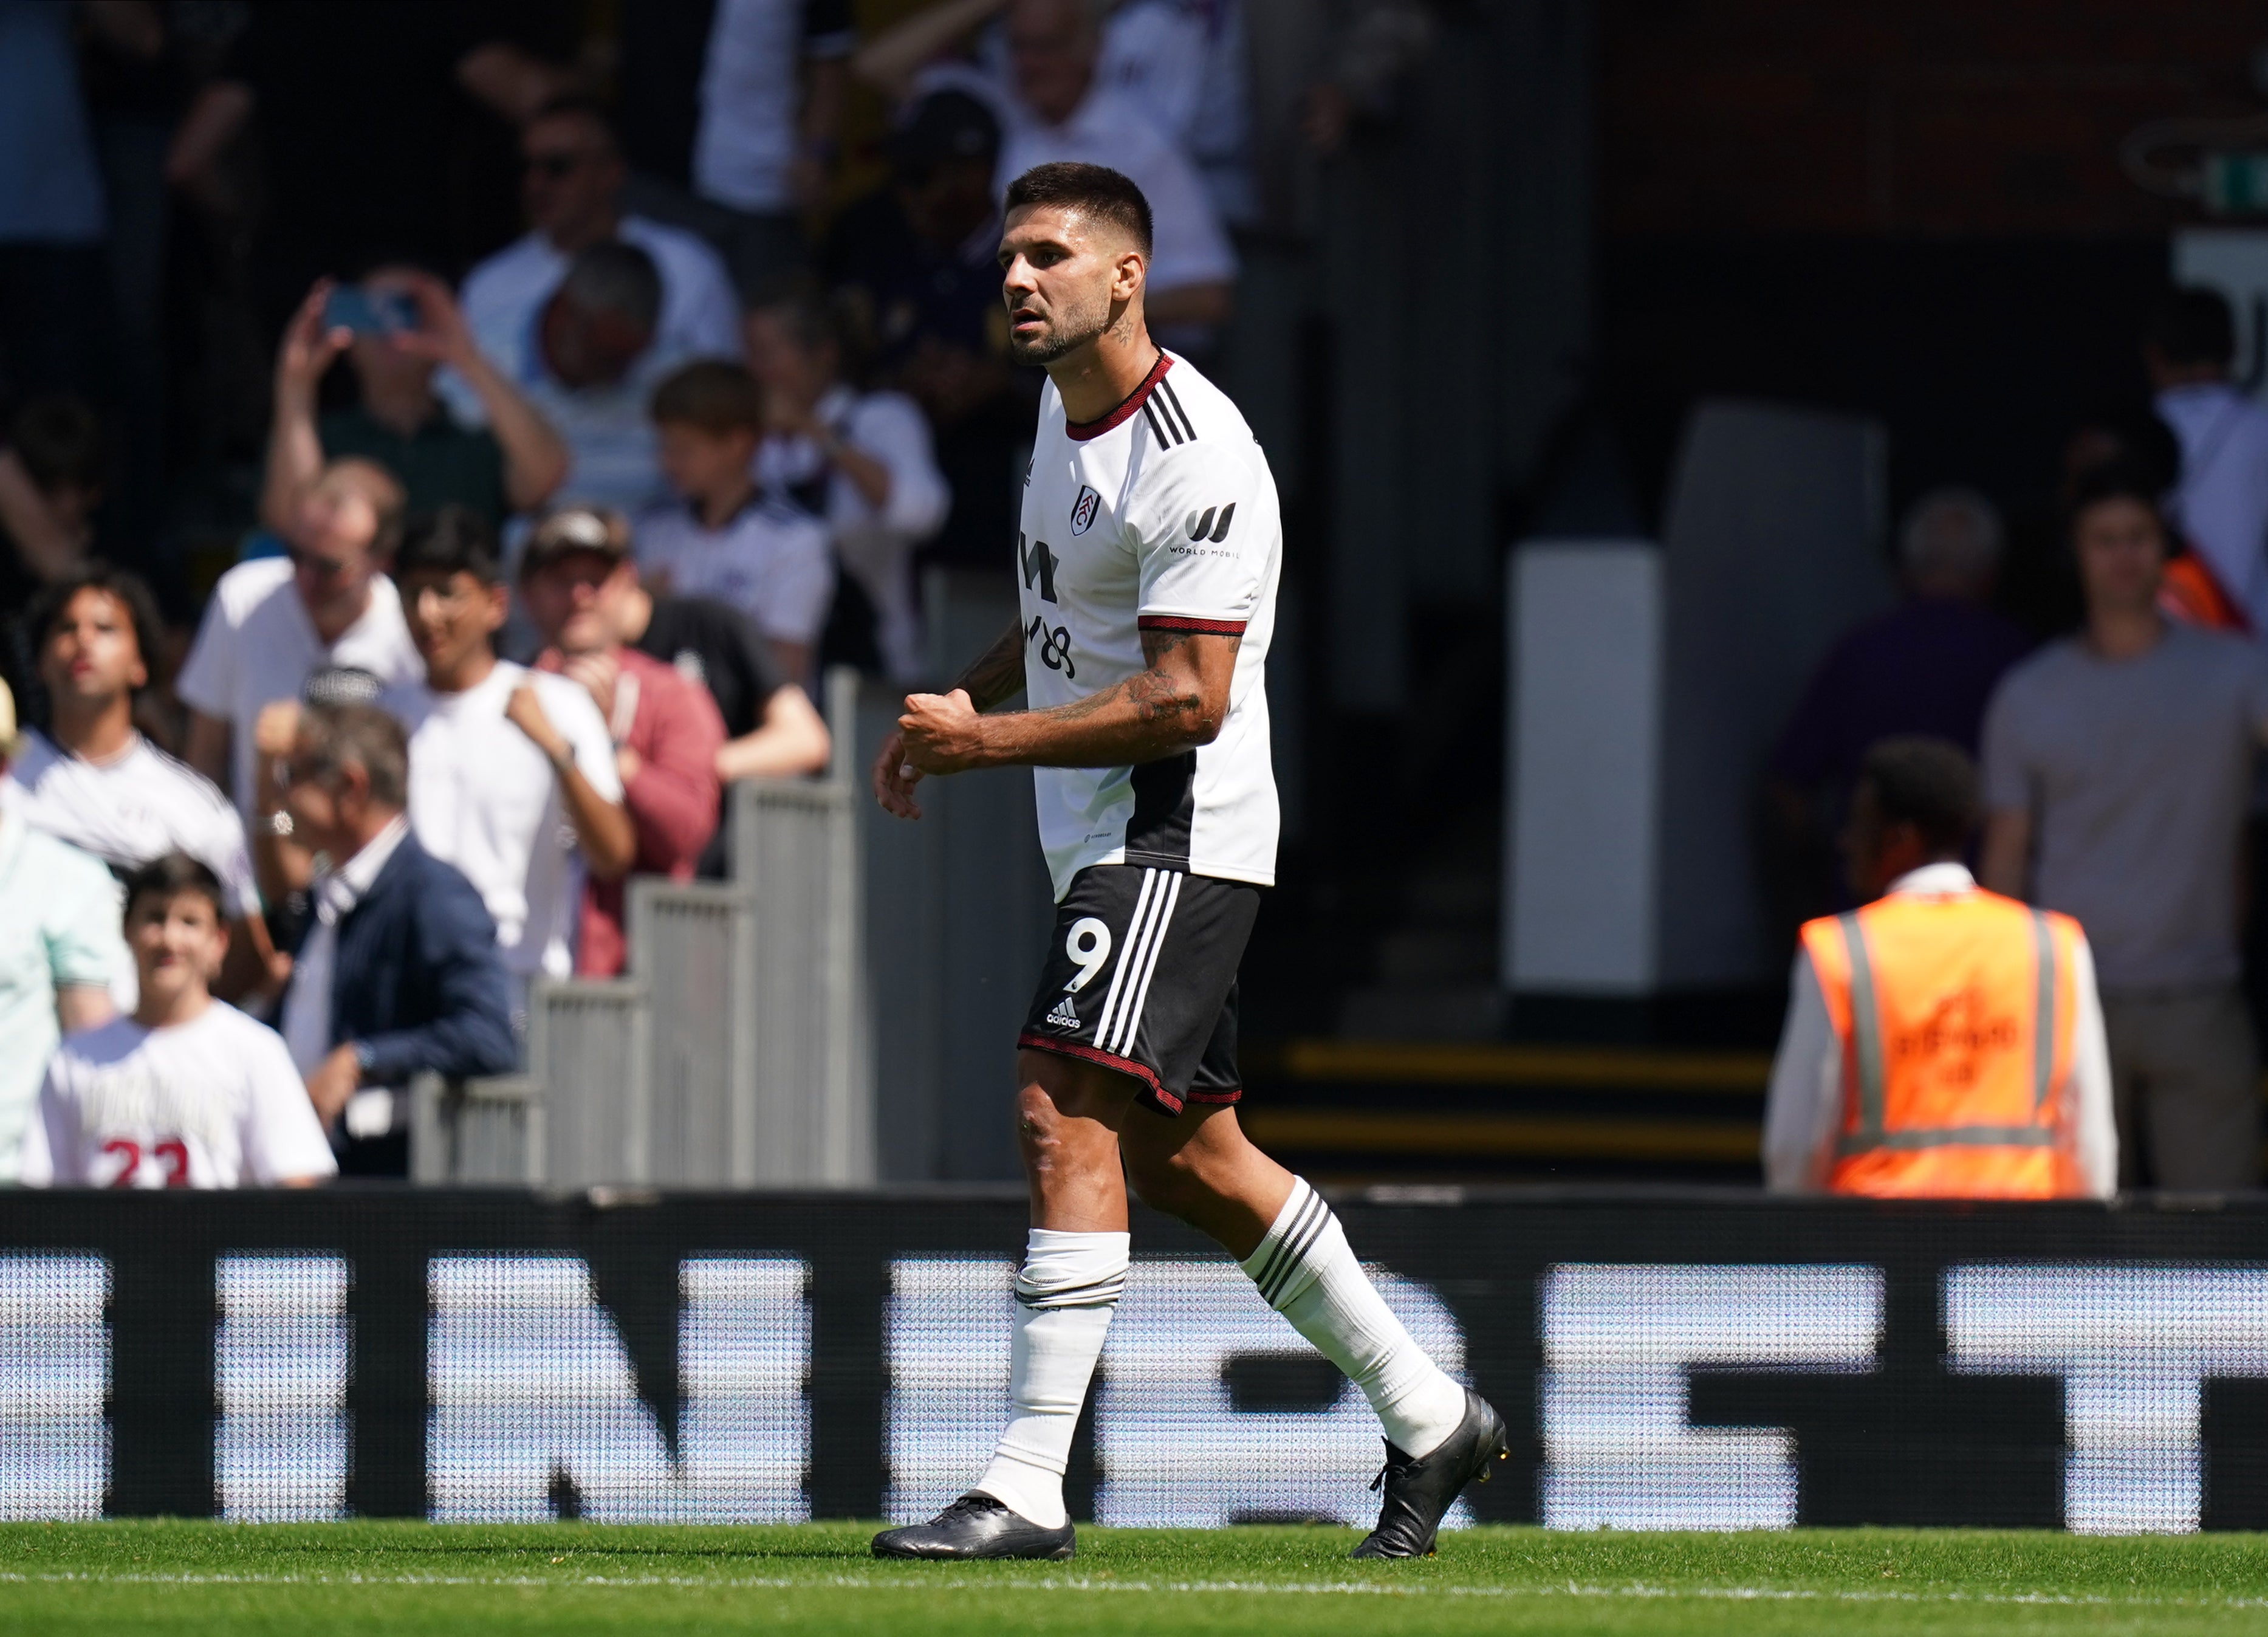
[1189, 245]
[769, 559]
[747, 138]
[256, 645]
[483, 797]
[213, 1102]
[1161, 516]
[874, 544]
[138, 805]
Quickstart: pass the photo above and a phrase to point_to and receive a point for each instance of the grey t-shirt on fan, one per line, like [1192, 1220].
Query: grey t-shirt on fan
[2138, 776]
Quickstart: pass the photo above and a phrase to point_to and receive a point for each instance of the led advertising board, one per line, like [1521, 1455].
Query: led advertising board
[1665, 1361]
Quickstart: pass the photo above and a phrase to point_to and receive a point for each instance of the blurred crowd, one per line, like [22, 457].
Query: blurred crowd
[2095, 686]
[442, 448]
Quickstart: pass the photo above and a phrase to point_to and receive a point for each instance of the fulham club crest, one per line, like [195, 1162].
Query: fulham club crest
[1083, 510]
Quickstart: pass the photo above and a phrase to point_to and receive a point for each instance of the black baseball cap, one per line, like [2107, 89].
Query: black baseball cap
[943, 127]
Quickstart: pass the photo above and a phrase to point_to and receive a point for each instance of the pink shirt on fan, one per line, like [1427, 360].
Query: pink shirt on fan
[671, 724]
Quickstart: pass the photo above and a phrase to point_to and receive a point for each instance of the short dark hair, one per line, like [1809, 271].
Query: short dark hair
[611, 277]
[358, 735]
[711, 393]
[59, 440]
[2121, 478]
[1095, 189]
[2193, 325]
[580, 104]
[1930, 783]
[450, 540]
[126, 588]
[171, 874]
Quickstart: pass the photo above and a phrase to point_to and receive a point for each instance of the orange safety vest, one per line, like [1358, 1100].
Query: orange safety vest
[1955, 1014]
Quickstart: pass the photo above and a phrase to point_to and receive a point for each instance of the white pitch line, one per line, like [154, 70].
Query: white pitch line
[854, 1582]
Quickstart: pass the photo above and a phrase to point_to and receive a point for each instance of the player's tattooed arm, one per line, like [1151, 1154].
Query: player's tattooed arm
[994, 675]
[997, 674]
[1178, 701]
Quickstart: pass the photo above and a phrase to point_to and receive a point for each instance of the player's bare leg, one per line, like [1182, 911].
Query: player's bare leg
[1440, 1437]
[1068, 1116]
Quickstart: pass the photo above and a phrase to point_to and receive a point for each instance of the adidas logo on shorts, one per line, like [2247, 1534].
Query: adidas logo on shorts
[1063, 1016]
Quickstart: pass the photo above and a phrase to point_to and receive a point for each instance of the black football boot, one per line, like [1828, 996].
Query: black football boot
[1418, 1491]
[977, 1526]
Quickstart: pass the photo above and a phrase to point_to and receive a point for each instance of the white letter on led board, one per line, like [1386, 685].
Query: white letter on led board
[1618, 1343]
[2133, 1345]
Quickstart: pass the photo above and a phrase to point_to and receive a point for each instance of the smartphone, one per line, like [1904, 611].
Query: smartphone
[366, 313]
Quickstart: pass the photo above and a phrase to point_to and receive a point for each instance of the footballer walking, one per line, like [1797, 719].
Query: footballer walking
[1148, 554]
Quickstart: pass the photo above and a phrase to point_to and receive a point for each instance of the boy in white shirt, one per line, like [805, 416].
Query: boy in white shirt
[512, 776]
[187, 1093]
[765, 557]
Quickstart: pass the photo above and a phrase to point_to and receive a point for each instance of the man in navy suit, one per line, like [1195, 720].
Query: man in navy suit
[398, 973]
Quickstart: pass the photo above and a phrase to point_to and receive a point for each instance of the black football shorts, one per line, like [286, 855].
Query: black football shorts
[1141, 978]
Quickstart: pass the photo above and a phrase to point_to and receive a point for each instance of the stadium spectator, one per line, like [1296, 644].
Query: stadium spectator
[860, 461]
[2117, 773]
[724, 539]
[665, 726]
[273, 622]
[1927, 667]
[510, 463]
[381, 130]
[1052, 104]
[730, 114]
[59, 950]
[595, 365]
[513, 777]
[573, 181]
[916, 269]
[93, 781]
[2221, 500]
[1926, 1053]
[398, 973]
[773, 730]
[186, 1092]
[1181, 61]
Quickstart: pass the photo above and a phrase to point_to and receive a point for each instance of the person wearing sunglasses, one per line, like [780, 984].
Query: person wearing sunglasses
[274, 622]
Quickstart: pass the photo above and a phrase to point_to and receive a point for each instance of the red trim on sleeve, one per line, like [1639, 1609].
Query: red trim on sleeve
[1176, 622]
[1028, 1041]
[1079, 431]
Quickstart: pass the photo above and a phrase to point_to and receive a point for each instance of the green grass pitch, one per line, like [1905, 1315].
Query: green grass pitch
[313, 1579]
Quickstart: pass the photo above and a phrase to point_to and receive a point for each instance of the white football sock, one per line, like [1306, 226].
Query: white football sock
[1306, 1273]
[1066, 1293]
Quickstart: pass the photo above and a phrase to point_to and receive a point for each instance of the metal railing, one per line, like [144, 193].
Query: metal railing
[844, 1010]
[732, 1055]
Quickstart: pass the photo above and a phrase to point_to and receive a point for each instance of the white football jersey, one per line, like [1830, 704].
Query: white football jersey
[213, 1102]
[1161, 516]
[130, 810]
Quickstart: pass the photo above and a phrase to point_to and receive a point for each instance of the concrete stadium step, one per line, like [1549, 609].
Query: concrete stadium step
[1378, 1109]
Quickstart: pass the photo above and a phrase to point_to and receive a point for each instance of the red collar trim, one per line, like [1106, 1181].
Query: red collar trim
[1079, 431]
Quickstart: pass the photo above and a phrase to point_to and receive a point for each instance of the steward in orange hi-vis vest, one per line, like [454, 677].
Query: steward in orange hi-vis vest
[1957, 1016]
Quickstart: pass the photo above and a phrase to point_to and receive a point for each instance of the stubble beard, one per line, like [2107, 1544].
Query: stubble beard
[1072, 330]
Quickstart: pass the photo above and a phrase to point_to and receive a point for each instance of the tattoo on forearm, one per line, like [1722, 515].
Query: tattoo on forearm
[997, 672]
[1160, 710]
[1158, 699]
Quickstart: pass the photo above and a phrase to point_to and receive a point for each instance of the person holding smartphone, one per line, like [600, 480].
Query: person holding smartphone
[397, 327]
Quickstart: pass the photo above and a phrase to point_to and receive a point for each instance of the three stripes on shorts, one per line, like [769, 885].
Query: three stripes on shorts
[1146, 936]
